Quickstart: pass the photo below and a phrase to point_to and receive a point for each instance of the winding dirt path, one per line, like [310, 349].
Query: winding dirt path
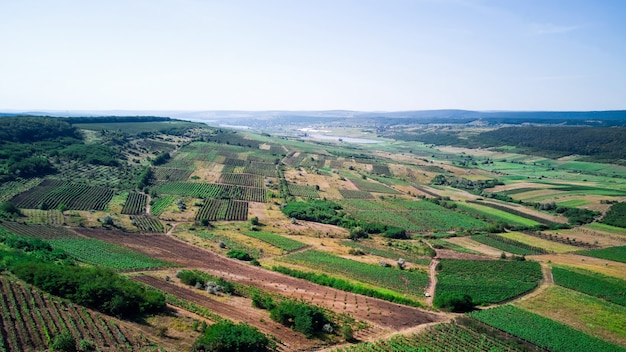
[432, 281]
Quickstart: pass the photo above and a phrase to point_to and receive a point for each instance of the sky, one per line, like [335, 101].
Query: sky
[383, 55]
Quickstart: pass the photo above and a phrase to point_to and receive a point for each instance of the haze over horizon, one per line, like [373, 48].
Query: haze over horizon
[392, 55]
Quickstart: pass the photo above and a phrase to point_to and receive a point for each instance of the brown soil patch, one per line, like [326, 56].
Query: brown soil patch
[387, 315]
[237, 309]
[450, 254]
[582, 234]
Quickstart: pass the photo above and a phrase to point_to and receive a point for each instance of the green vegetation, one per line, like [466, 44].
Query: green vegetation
[441, 337]
[616, 216]
[106, 255]
[508, 245]
[409, 282]
[595, 284]
[229, 337]
[486, 281]
[416, 253]
[298, 315]
[545, 333]
[161, 204]
[328, 212]
[210, 190]
[279, 241]
[345, 285]
[239, 255]
[617, 254]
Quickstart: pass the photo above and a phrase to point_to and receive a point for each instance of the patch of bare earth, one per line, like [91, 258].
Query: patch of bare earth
[385, 314]
[475, 246]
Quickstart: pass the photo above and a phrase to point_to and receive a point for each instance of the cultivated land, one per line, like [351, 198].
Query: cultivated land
[391, 240]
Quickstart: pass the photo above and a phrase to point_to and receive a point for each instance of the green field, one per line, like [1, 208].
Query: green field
[279, 241]
[595, 284]
[545, 333]
[617, 254]
[403, 281]
[495, 214]
[487, 281]
[106, 255]
[414, 216]
[591, 315]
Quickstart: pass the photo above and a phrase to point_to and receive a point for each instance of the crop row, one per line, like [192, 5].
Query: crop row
[514, 212]
[54, 194]
[135, 204]
[442, 337]
[408, 282]
[279, 241]
[216, 191]
[39, 231]
[595, 284]
[160, 204]
[249, 180]
[368, 186]
[147, 223]
[31, 320]
[355, 194]
[106, 255]
[545, 333]
[487, 281]
[170, 174]
[11, 188]
[380, 169]
[44, 217]
[218, 209]
[617, 254]
[412, 216]
[508, 245]
[303, 191]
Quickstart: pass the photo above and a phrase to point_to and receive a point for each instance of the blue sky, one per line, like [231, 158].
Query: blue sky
[313, 55]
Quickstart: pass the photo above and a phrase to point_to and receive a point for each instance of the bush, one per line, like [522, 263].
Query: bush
[228, 337]
[64, 342]
[190, 278]
[300, 316]
[239, 254]
[457, 302]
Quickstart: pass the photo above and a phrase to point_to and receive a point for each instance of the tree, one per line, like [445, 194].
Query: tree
[356, 233]
[254, 221]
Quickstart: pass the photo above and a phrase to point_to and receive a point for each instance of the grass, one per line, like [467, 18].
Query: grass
[106, 255]
[583, 312]
[452, 246]
[606, 228]
[279, 241]
[496, 214]
[403, 281]
[573, 203]
[539, 242]
[545, 332]
[617, 254]
[594, 284]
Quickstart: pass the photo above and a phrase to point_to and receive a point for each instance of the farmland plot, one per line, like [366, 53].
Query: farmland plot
[594, 284]
[441, 337]
[386, 314]
[302, 191]
[249, 180]
[487, 281]
[31, 319]
[52, 194]
[220, 209]
[545, 333]
[39, 231]
[106, 255]
[12, 188]
[170, 174]
[135, 204]
[508, 245]
[44, 217]
[408, 282]
[355, 194]
[216, 191]
[279, 241]
[161, 204]
[147, 223]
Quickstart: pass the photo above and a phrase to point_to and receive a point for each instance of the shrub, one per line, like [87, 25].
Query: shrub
[64, 342]
[228, 337]
[239, 254]
[456, 302]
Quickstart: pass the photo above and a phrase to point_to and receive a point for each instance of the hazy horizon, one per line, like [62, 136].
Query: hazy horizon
[371, 56]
